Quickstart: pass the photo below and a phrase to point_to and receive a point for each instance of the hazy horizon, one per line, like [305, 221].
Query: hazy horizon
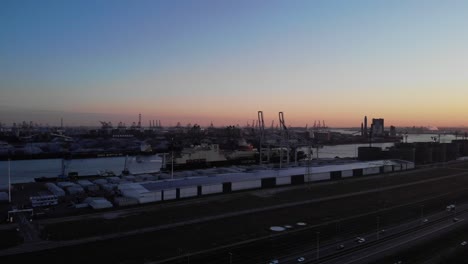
[222, 61]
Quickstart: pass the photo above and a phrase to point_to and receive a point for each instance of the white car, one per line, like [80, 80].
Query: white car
[275, 261]
[360, 239]
[301, 259]
[464, 243]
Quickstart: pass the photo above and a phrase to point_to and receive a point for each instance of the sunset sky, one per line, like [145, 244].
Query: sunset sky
[221, 61]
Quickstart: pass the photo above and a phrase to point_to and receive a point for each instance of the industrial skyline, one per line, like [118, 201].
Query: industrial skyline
[221, 61]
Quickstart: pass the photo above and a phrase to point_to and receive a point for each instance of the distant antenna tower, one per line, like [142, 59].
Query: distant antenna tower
[139, 120]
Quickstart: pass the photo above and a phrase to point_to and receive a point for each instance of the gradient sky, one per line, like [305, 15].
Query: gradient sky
[223, 60]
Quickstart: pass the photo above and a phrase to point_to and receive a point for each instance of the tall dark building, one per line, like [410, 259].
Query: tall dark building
[378, 127]
[365, 126]
[392, 131]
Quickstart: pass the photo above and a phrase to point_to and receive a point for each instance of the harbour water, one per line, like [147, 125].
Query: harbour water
[27, 170]
[351, 150]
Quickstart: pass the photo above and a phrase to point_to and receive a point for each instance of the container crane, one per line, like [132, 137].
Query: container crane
[284, 137]
[261, 126]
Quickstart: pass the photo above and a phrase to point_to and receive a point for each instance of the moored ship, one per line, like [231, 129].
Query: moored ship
[209, 155]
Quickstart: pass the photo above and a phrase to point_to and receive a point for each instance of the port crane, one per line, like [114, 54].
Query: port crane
[284, 138]
[261, 125]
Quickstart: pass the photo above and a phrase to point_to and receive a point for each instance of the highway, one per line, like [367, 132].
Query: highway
[378, 244]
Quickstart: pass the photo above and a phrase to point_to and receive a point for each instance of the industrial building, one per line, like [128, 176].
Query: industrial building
[171, 189]
[417, 152]
[141, 189]
[378, 129]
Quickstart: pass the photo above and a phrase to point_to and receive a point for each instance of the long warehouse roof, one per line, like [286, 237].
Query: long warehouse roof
[260, 174]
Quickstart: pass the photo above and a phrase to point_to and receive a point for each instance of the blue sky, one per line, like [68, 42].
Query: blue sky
[199, 61]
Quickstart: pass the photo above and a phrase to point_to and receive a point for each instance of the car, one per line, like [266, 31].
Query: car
[340, 246]
[360, 239]
[464, 243]
[274, 261]
[455, 219]
[300, 259]
[382, 231]
[425, 220]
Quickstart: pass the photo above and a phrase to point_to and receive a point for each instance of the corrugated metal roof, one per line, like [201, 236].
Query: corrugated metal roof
[260, 174]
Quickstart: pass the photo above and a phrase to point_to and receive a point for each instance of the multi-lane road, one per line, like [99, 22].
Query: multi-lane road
[376, 245]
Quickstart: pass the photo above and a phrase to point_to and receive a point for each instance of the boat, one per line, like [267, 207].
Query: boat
[125, 170]
[146, 149]
[244, 151]
[208, 156]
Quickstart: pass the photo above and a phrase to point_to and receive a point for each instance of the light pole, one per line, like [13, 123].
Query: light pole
[378, 226]
[337, 228]
[422, 213]
[9, 182]
[172, 158]
[318, 244]
[455, 210]
[230, 257]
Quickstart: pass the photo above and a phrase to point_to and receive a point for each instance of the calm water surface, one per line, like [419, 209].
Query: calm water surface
[27, 170]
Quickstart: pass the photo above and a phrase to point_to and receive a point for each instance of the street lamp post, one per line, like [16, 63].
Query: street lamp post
[455, 209]
[230, 257]
[318, 244]
[422, 213]
[378, 227]
[9, 182]
[172, 158]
